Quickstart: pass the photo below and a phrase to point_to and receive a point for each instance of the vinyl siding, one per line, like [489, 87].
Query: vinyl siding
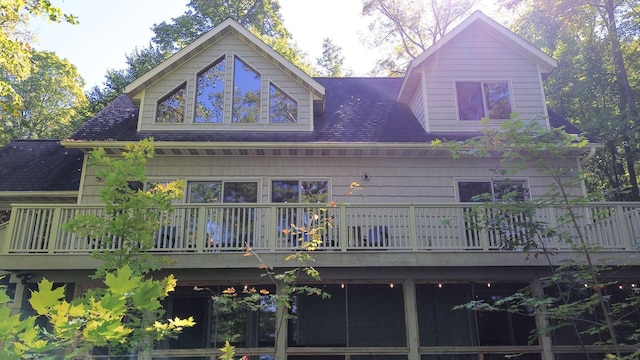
[392, 180]
[268, 71]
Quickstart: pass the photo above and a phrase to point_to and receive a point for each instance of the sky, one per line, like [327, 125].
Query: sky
[109, 30]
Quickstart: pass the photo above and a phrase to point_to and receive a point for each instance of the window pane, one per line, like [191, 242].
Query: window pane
[240, 192]
[469, 100]
[474, 191]
[497, 100]
[205, 192]
[246, 94]
[282, 108]
[284, 191]
[314, 191]
[210, 94]
[171, 108]
[510, 191]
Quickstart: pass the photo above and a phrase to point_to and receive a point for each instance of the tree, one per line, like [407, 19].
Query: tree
[331, 62]
[595, 44]
[408, 28]
[15, 47]
[53, 102]
[261, 17]
[125, 314]
[576, 297]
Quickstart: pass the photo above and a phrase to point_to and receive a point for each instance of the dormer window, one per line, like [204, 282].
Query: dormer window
[210, 94]
[246, 93]
[283, 109]
[477, 100]
[170, 109]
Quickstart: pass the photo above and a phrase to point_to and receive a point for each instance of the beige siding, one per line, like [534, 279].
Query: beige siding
[417, 107]
[392, 180]
[477, 56]
[228, 46]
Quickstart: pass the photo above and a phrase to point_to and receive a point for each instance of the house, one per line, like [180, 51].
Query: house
[260, 143]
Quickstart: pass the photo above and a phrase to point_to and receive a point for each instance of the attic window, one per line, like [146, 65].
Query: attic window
[283, 109]
[477, 100]
[246, 93]
[210, 94]
[170, 109]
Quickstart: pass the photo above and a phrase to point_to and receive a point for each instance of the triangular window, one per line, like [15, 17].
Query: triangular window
[283, 109]
[170, 109]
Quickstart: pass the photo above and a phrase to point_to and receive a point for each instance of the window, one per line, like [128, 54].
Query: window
[170, 109]
[210, 94]
[217, 321]
[246, 94]
[495, 190]
[226, 227]
[366, 315]
[282, 108]
[295, 191]
[483, 99]
[439, 325]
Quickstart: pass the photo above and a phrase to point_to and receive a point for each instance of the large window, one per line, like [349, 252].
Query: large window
[368, 315]
[440, 325]
[477, 100]
[170, 109]
[210, 93]
[246, 93]
[226, 227]
[218, 320]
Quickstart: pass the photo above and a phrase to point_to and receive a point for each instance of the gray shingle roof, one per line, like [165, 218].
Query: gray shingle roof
[39, 165]
[356, 110]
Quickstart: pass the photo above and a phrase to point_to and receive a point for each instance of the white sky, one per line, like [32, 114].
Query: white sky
[109, 30]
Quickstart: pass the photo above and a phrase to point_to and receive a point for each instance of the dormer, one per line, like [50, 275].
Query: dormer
[478, 70]
[227, 79]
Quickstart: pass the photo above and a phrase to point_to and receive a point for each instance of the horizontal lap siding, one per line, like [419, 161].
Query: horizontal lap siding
[230, 45]
[477, 56]
[392, 180]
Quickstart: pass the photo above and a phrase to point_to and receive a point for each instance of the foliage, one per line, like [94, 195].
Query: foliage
[577, 294]
[331, 62]
[15, 47]
[407, 28]
[132, 216]
[595, 43]
[126, 313]
[53, 90]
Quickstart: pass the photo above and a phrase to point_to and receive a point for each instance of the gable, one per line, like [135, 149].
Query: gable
[231, 73]
[478, 53]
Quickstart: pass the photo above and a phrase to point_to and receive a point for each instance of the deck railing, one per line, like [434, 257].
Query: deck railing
[403, 227]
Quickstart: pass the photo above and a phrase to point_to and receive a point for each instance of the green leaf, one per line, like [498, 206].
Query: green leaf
[46, 297]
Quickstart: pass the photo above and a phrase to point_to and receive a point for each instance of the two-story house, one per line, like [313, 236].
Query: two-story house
[260, 145]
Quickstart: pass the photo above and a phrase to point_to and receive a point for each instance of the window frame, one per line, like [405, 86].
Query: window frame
[299, 180]
[486, 110]
[189, 182]
[492, 182]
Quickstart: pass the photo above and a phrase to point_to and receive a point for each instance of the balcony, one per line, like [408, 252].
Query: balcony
[37, 229]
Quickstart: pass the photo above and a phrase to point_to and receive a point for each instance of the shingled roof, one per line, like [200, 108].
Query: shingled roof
[39, 165]
[357, 110]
